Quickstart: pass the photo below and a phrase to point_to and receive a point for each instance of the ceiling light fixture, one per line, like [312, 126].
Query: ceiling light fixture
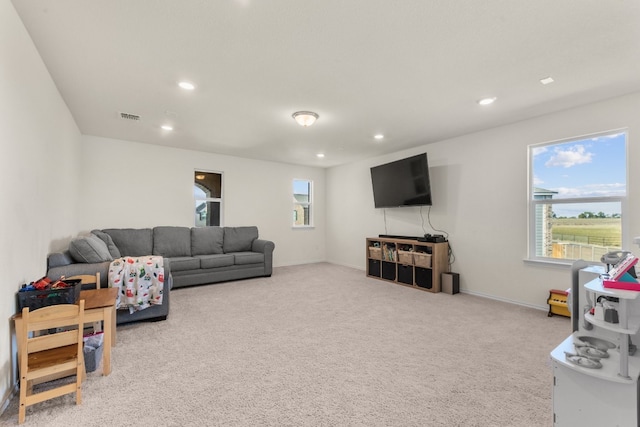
[167, 127]
[187, 85]
[487, 101]
[320, 155]
[546, 80]
[305, 118]
[378, 136]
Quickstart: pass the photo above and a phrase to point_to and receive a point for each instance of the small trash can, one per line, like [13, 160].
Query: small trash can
[93, 345]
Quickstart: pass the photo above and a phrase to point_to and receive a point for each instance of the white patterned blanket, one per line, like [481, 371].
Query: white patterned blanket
[140, 280]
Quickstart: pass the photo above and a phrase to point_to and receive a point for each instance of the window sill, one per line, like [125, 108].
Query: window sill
[549, 263]
[303, 227]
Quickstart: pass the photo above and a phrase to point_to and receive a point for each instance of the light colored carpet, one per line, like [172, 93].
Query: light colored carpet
[321, 345]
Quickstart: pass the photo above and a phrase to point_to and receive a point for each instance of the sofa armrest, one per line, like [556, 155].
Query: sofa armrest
[263, 246]
[266, 247]
[61, 264]
[79, 268]
[168, 278]
[59, 259]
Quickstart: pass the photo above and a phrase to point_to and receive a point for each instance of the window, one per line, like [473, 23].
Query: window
[578, 191]
[207, 192]
[302, 202]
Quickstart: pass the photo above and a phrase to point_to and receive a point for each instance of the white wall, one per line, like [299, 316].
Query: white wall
[39, 151]
[479, 185]
[130, 184]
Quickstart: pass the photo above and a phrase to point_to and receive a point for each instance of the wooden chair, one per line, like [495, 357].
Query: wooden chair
[86, 282]
[87, 279]
[50, 357]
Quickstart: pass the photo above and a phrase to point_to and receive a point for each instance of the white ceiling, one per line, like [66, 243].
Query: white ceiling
[410, 69]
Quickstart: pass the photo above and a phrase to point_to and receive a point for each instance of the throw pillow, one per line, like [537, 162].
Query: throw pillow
[132, 241]
[239, 239]
[89, 249]
[113, 249]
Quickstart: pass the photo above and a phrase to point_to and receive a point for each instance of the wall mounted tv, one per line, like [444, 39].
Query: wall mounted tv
[402, 183]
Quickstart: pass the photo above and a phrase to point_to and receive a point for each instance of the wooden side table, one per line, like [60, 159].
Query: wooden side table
[99, 305]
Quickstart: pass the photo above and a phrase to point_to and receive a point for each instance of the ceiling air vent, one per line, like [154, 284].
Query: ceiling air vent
[128, 116]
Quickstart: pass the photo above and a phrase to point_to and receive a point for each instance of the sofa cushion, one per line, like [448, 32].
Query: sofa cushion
[89, 249]
[248, 258]
[206, 240]
[113, 249]
[59, 259]
[132, 241]
[172, 241]
[184, 263]
[214, 261]
[239, 239]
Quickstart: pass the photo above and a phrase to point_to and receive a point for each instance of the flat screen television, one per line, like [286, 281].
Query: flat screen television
[402, 183]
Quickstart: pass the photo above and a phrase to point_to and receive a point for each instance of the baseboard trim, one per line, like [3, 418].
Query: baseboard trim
[462, 291]
[292, 264]
[493, 297]
[4, 404]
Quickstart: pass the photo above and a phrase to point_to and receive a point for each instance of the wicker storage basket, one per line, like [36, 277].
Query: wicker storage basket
[422, 259]
[375, 253]
[405, 257]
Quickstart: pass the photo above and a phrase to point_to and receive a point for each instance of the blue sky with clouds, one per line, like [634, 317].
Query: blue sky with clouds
[589, 167]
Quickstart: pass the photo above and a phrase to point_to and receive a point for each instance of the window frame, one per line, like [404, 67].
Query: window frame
[534, 203]
[210, 199]
[308, 204]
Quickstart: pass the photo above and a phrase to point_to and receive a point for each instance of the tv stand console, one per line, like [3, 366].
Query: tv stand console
[407, 262]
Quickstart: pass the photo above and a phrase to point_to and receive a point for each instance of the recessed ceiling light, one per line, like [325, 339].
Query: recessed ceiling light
[378, 136]
[487, 101]
[167, 127]
[546, 80]
[320, 155]
[187, 85]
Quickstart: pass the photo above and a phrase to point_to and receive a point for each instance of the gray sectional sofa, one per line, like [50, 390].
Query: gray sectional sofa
[192, 256]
